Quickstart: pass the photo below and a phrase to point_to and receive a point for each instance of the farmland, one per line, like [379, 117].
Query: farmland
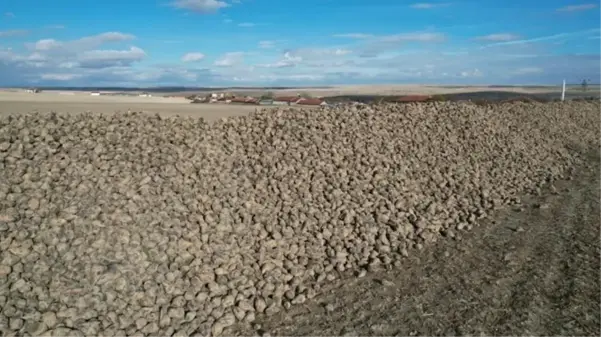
[387, 219]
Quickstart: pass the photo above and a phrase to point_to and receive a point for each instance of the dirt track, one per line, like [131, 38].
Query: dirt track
[533, 271]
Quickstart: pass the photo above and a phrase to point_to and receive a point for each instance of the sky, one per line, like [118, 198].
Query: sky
[297, 43]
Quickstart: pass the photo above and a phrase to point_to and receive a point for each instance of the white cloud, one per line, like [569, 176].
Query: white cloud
[55, 60]
[266, 44]
[546, 38]
[401, 37]
[415, 37]
[193, 57]
[376, 45]
[110, 58]
[97, 60]
[528, 70]
[230, 59]
[55, 27]
[428, 5]
[274, 78]
[471, 73]
[13, 32]
[246, 24]
[354, 35]
[201, 6]
[289, 57]
[9, 15]
[36, 57]
[47, 44]
[82, 44]
[297, 55]
[577, 8]
[287, 61]
[59, 77]
[278, 64]
[500, 37]
[311, 57]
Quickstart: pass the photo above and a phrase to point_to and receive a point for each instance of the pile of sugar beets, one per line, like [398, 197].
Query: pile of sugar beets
[134, 224]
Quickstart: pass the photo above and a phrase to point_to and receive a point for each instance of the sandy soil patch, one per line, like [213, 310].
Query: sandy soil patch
[15, 102]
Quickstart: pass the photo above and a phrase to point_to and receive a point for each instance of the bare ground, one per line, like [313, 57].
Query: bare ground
[20, 102]
[532, 270]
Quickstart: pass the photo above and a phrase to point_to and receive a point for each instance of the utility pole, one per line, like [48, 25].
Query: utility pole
[585, 85]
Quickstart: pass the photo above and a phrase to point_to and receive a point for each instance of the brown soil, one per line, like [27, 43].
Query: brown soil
[533, 270]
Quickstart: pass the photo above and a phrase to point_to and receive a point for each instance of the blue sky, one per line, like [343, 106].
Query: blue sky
[311, 42]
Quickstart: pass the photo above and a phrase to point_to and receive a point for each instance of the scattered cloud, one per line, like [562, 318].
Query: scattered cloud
[500, 37]
[356, 56]
[55, 27]
[300, 54]
[428, 5]
[9, 15]
[230, 59]
[577, 8]
[60, 77]
[354, 35]
[200, 6]
[266, 44]
[74, 46]
[193, 57]
[310, 57]
[546, 38]
[172, 41]
[415, 37]
[278, 64]
[374, 46]
[110, 58]
[52, 60]
[528, 70]
[13, 33]
[471, 73]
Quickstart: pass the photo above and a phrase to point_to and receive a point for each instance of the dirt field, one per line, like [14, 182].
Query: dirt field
[528, 271]
[12, 101]
[420, 90]
[19, 102]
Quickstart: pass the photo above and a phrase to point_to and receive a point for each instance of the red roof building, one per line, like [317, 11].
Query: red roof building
[310, 101]
[245, 100]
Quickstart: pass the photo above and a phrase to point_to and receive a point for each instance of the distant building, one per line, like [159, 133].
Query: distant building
[145, 94]
[244, 100]
[95, 93]
[33, 90]
[311, 101]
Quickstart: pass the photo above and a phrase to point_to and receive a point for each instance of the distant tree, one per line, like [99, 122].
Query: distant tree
[304, 95]
[268, 95]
